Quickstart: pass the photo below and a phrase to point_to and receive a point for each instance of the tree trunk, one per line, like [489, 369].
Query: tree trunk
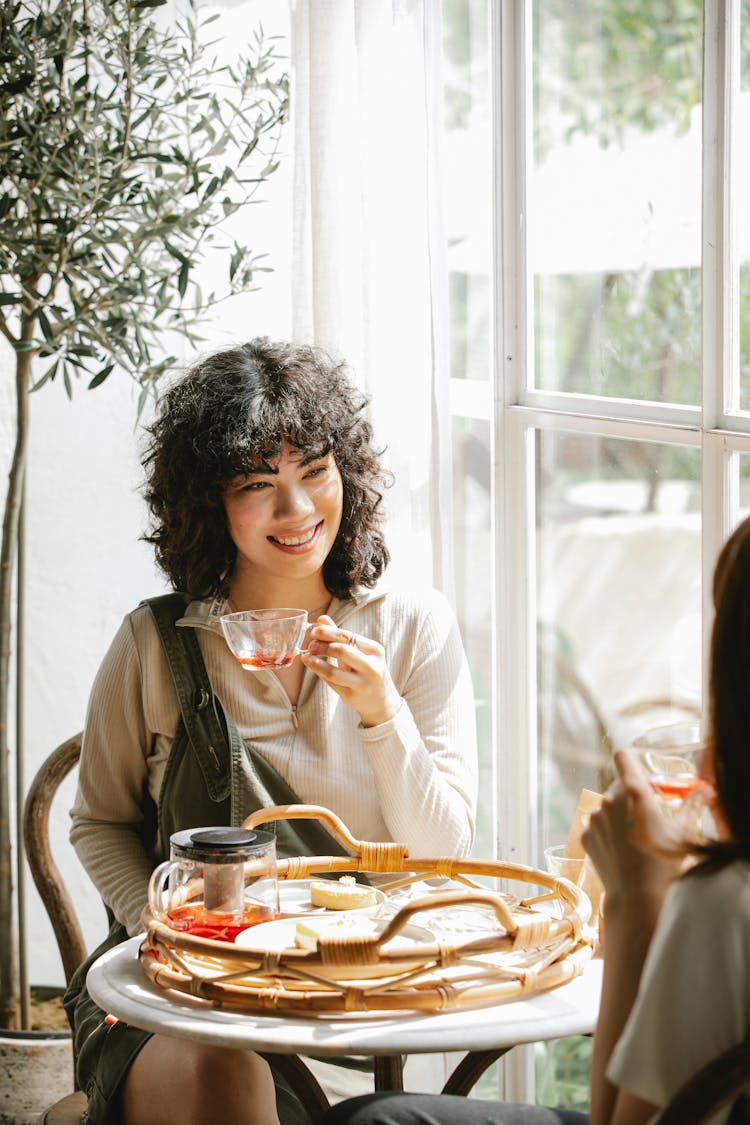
[9, 1015]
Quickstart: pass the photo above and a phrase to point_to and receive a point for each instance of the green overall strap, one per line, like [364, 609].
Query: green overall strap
[230, 766]
[198, 704]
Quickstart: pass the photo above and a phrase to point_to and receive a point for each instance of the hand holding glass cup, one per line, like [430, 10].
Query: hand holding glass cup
[265, 638]
[672, 757]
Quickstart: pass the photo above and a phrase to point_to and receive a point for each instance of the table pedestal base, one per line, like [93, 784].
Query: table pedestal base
[389, 1075]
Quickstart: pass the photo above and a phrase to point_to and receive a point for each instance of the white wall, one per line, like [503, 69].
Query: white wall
[86, 567]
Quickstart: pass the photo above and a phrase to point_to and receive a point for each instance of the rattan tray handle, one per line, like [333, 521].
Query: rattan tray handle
[376, 856]
[444, 899]
[360, 950]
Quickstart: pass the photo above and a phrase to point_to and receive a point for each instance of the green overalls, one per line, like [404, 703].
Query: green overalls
[212, 777]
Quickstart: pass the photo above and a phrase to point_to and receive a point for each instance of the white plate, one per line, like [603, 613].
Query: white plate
[294, 901]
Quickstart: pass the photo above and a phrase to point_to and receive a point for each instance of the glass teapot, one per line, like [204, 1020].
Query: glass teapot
[217, 882]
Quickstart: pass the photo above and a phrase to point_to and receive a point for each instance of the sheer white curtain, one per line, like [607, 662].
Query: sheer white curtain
[369, 275]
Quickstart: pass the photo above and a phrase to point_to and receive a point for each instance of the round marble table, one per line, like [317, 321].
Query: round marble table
[118, 984]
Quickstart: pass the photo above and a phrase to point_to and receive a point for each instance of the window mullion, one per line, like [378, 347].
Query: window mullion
[719, 274]
[514, 601]
[513, 501]
[720, 285]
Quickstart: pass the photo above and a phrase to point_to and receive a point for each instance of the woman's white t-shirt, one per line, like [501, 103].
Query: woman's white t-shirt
[693, 1000]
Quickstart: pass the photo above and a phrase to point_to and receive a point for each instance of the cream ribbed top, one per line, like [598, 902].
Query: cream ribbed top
[412, 779]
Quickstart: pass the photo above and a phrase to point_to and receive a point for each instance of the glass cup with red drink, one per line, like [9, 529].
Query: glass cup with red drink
[265, 638]
[672, 756]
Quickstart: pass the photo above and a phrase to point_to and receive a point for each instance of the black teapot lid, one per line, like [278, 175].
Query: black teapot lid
[223, 837]
[219, 843]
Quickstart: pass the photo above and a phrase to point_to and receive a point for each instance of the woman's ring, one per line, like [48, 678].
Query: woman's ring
[353, 640]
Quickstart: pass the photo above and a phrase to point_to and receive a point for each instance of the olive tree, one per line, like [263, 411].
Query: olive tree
[125, 147]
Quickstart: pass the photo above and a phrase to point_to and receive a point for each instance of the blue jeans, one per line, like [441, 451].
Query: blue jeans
[443, 1109]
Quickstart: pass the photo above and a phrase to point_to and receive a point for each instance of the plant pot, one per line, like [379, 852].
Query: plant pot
[36, 1070]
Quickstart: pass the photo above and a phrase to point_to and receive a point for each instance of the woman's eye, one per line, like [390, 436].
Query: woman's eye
[317, 471]
[254, 486]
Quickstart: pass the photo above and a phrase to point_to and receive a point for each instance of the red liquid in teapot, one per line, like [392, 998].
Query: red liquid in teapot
[277, 660]
[195, 919]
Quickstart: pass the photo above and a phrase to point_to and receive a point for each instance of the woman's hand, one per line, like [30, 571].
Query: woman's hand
[638, 852]
[360, 675]
[636, 849]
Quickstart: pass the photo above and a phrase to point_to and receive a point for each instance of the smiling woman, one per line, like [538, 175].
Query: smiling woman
[265, 490]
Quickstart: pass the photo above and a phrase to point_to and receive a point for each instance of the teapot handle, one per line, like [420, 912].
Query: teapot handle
[156, 887]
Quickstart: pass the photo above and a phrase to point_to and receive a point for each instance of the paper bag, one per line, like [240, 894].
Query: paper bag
[588, 802]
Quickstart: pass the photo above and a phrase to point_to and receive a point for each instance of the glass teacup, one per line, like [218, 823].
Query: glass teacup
[265, 638]
[576, 870]
[672, 757]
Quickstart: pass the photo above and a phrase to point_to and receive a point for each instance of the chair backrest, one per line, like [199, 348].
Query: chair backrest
[69, 1110]
[719, 1082]
[45, 872]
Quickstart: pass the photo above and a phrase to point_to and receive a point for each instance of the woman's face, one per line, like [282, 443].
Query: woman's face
[284, 519]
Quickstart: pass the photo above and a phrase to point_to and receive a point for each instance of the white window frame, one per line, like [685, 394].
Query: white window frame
[718, 428]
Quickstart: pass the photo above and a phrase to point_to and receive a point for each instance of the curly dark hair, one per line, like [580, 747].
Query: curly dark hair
[228, 414]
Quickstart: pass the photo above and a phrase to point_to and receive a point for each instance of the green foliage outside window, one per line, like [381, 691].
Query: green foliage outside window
[629, 335]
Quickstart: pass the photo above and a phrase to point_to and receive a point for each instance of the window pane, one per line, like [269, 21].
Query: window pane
[468, 184]
[467, 200]
[740, 466]
[615, 213]
[619, 602]
[473, 556]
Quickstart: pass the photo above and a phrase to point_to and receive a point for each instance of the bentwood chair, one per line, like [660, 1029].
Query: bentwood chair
[53, 892]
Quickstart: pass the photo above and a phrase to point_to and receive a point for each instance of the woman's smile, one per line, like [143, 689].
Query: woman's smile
[297, 541]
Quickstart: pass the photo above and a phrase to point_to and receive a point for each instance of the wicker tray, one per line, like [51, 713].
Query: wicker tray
[532, 944]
